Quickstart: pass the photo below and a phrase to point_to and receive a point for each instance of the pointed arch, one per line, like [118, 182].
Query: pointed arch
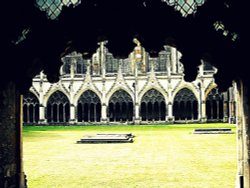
[189, 86]
[118, 89]
[30, 108]
[185, 105]
[214, 107]
[57, 110]
[160, 90]
[153, 106]
[52, 91]
[89, 107]
[119, 106]
[79, 94]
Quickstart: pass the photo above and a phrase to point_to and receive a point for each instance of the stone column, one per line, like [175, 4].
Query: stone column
[137, 117]
[103, 100]
[136, 102]
[104, 113]
[170, 112]
[11, 172]
[225, 110]
[42, 119]
[202, 103]
[231, 106]
[41, 114]
[230, 111]
[225, 106]
[203, 111]
[72, 119]
[169, 105]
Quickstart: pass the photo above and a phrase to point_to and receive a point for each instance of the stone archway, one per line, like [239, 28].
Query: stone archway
[214, 106]
[120, 107]
[89, 107]
[153, 106]
[30, 108]
[57, 110]
[185, 105]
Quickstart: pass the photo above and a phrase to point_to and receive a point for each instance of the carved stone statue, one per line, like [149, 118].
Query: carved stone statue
[137, 42]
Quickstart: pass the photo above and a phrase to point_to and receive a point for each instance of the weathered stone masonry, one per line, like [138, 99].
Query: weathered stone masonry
[138, 89]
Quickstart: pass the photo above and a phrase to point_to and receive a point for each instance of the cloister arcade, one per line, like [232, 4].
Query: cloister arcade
[153, 107]
[137, 89]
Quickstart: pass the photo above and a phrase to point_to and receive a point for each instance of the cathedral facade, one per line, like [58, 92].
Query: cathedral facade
[135, 90]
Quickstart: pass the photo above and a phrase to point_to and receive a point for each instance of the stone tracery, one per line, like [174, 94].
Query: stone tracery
[132, 90]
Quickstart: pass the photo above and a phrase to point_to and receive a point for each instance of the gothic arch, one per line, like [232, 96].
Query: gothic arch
[82, 91]
[187, 85]
[89, 107]
[153, 106]
[214, 105]
[53, 89]
[57, 108]
[111, 92]
[120, 106]
[185, 105]
[160, 90]
[30, 108]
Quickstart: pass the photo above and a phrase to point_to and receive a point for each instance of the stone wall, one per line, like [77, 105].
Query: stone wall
[10, 152]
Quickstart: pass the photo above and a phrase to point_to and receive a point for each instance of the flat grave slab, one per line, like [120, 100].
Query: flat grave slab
[107, 138]
[213, 131]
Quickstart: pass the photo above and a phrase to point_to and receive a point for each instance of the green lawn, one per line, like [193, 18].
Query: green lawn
[163, 156]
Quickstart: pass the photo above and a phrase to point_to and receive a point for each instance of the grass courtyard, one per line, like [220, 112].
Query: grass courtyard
[162, 156]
